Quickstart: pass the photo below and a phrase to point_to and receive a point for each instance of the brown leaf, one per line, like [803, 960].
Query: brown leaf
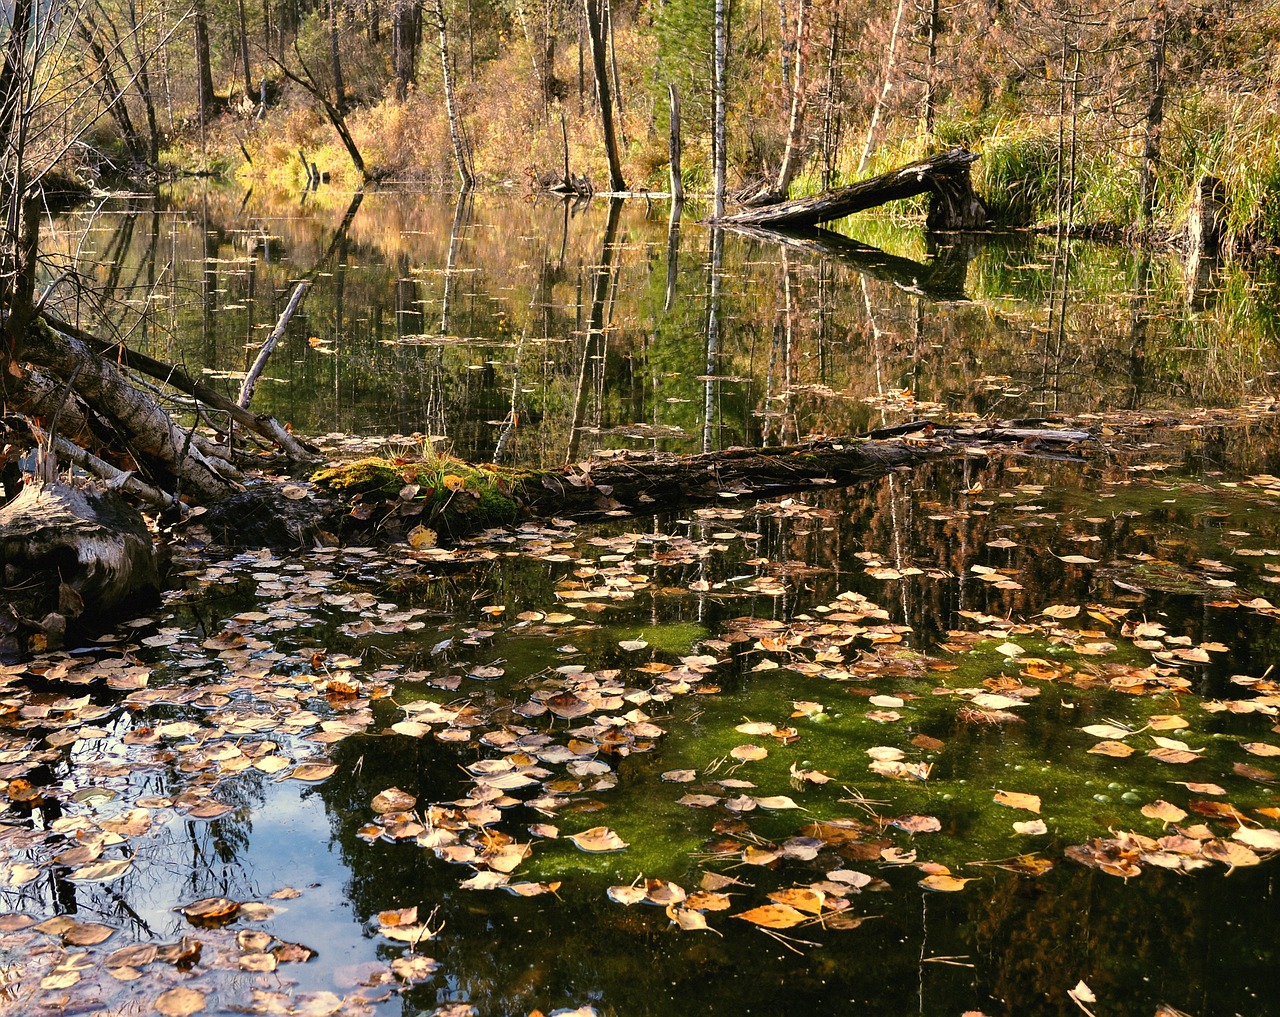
[597, 840]
[774, 916]
[87, 934]
[180, 1002]
[800, 898]
[210, 911]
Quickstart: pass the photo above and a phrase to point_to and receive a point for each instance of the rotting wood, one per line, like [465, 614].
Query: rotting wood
[944, 176]
[70, 556]
[622, 484]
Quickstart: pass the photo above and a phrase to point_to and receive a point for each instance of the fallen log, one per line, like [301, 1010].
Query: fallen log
[945, 176]
[455, 499]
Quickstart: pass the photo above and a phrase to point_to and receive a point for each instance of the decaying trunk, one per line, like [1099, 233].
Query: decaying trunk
[71, 557]
[954, 205]
[606, 485]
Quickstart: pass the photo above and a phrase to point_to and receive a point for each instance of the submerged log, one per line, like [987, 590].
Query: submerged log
[954, 205]
[456, 499]
[70, 557]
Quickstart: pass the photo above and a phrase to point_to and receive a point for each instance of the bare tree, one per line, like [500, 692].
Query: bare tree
[600, 64]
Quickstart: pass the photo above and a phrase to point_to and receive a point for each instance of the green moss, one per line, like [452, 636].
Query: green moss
[457, 497]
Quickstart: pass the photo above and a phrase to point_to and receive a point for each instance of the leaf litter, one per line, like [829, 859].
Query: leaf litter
[263, 699]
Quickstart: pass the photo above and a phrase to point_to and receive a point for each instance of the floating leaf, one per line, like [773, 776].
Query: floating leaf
[1018, 800]
[180, 1002]
[1261, 748]
[944, 882]
[1031, 828]
[1168, 755]
[100, 872]
[1230, 853]
[597, 840]
[1107, 731]
[776, 802]
[800, 898]
[393, 800]
[1164, 811]
[210, 911]
[1117, 750]
[627, 895]
[774, 916]
[87, 934]
[312, 772]
[1061, 611]
[917, 824]
[747, 753]
[1259, 840]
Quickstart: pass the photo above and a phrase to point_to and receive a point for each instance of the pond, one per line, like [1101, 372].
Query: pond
[988, 736]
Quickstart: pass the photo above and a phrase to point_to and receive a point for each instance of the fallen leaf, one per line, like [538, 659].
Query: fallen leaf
[598, 839]
[1018, 800]
[945, 882]
[180, 1002]
[773, 916]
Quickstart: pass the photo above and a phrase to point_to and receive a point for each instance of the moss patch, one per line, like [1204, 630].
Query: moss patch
[439, 491]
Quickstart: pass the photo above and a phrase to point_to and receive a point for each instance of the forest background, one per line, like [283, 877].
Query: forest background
[1103, 117]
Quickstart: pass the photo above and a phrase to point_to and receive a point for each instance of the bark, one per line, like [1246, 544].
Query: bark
[718, 126]
[143, 85]
[143, 425]
[791, 154]
[244, 50]
[931, 68]
[891, 62]
[450, 100]
[600, 65]
[70, 556]
[1155, 115]
[946, 176]
[335, 56]
[677, 182]
[260, 362]
[204, 66]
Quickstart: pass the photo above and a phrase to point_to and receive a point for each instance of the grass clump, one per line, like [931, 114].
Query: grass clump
[436, 490]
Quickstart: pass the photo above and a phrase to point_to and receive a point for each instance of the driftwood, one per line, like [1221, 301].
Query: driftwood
[70, 557]
[954, 206]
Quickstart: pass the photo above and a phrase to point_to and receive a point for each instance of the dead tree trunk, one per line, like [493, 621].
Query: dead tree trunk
[600, 65]
[944, 176]
[67, 555]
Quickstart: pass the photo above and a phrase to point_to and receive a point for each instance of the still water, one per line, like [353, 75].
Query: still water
[841, 704]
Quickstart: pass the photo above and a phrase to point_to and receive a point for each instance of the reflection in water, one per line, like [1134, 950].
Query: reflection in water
[511, 326]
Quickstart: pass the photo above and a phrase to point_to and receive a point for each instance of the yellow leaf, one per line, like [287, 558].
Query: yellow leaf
[1018, 800]
[944, 883]
[421, 537]
[774, 916]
